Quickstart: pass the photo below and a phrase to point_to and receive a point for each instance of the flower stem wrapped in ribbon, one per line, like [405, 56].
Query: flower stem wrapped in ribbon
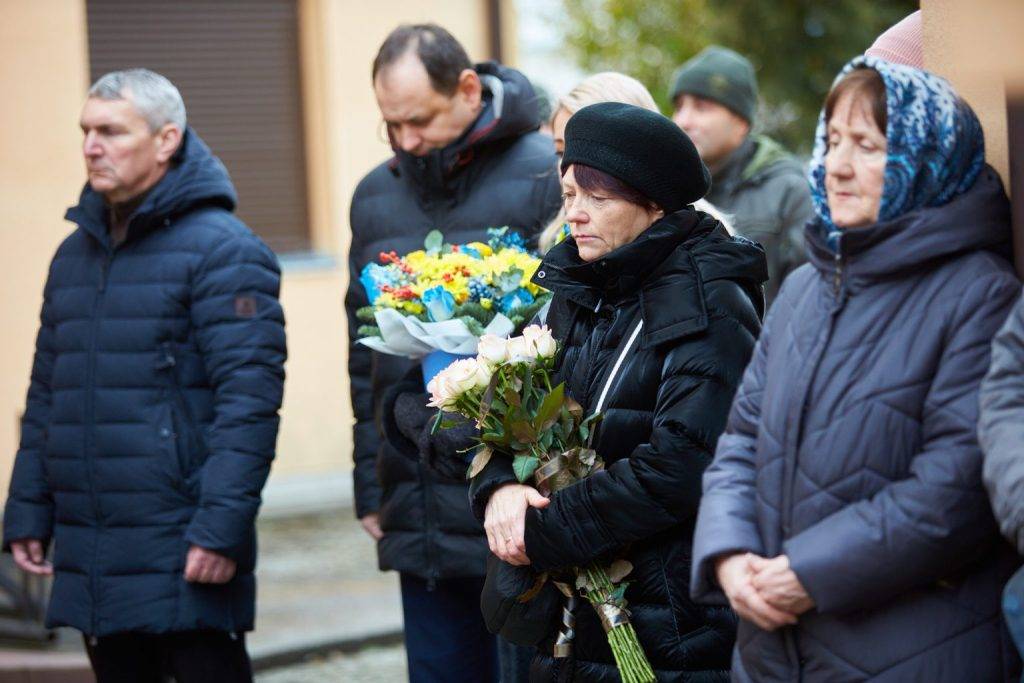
[506, 389]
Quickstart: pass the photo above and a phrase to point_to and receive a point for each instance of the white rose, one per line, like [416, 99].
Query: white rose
[465, 374]
[443, 392]
[540, 337]
[492, 349]
[483, 374]
[521, 350]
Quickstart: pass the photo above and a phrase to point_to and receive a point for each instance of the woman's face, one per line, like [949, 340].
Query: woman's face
[558, 122]
[599, 223]
[854, 163]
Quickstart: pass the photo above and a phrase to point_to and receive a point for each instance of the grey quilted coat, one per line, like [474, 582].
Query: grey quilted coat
[1001, 429]
[851, 449]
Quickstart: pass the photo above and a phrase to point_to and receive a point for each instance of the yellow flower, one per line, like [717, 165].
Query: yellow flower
[486, 304]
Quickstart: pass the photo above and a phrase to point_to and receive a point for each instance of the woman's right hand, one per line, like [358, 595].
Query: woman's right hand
[505, 521]
[735, 575]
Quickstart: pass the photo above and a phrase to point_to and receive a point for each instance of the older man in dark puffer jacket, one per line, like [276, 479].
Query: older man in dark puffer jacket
[151, 417]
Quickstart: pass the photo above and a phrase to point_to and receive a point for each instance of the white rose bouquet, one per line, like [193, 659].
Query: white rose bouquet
[506, 390]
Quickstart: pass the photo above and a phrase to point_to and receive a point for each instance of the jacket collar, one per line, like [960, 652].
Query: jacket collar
[665, 269]
[509, 110]
[978, 219]
[195, 178]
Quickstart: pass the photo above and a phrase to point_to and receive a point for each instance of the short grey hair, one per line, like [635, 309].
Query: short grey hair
[153, 95]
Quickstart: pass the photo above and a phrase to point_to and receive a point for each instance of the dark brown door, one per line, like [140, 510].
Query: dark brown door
[237, 66]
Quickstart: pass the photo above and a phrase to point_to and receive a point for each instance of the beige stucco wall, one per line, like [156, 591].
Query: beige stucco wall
[44, 75]
[343, 139]
[979, 47]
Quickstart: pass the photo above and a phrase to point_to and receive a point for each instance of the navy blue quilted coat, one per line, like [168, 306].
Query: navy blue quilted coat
[151, 417]
[851, 445]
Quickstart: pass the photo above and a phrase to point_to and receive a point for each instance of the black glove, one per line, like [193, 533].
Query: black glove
[523, 623]
[412, 414]
[447, 452]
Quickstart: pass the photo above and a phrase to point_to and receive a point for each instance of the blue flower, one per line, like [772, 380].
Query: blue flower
[516, 299]
[503, 238]
[373, 276]
[471, 251]
[440, 303]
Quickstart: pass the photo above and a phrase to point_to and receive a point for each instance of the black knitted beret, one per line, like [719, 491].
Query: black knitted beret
[641, 148]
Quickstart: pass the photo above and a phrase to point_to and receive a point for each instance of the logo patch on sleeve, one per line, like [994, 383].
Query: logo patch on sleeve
[245, 306]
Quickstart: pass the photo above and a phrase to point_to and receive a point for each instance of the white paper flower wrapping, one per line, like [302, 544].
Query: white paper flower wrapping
[402, 335]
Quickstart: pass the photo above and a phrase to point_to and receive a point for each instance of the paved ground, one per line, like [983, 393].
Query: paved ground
[373, 665]
[318, 590]
[318, 582]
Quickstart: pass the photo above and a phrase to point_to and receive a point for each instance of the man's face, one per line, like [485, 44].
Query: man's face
[420, 119]
[716, 130]
[123, 157]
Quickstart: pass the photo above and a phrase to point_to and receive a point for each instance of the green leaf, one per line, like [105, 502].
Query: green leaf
[368, 331]
[472, 309]
[512, 397]
[549, 407]
[524, 466]
[524, 431]
[433, 242]
[437, 422]
[366, 314]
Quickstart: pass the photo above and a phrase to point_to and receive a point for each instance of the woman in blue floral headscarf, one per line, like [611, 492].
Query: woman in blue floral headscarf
[844, 517]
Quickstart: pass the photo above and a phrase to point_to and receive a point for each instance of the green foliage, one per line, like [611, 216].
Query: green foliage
[366, 314]
[368, 331]
[796, 46]
[433, 242]
[524, 466]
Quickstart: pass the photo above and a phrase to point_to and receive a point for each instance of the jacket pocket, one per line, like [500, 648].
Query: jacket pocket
[172, 457]
[189, 443]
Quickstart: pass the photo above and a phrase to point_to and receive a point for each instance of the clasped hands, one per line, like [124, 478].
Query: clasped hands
[766, 592]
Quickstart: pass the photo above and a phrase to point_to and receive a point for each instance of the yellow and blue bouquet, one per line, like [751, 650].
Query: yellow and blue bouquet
[443, 297]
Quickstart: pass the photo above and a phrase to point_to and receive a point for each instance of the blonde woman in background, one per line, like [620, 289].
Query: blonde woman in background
[607, 86]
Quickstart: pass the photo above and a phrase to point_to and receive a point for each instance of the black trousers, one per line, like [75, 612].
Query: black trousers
[184, 657]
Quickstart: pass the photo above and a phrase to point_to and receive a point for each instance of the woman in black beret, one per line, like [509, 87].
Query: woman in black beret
[657, 308]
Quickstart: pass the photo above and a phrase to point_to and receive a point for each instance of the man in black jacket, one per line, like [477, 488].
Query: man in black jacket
[467, 158]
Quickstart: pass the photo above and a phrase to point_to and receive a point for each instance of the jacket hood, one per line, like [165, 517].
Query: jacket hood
[935, 146]
[768, 157]
[195, 178]
[510, 110]
[978, 219]
[682, 251]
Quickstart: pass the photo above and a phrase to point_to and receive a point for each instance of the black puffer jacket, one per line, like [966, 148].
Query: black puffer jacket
[698, 293]
[500, 172]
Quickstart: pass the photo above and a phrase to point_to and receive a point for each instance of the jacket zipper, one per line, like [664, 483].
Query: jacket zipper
[428, 512]
[90, 440]
[837, 278]
[790, 634]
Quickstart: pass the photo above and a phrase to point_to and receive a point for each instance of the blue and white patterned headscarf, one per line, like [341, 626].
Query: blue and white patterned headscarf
[935, 146]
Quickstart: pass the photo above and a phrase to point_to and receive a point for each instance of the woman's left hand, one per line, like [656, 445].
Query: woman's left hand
[779, 585]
